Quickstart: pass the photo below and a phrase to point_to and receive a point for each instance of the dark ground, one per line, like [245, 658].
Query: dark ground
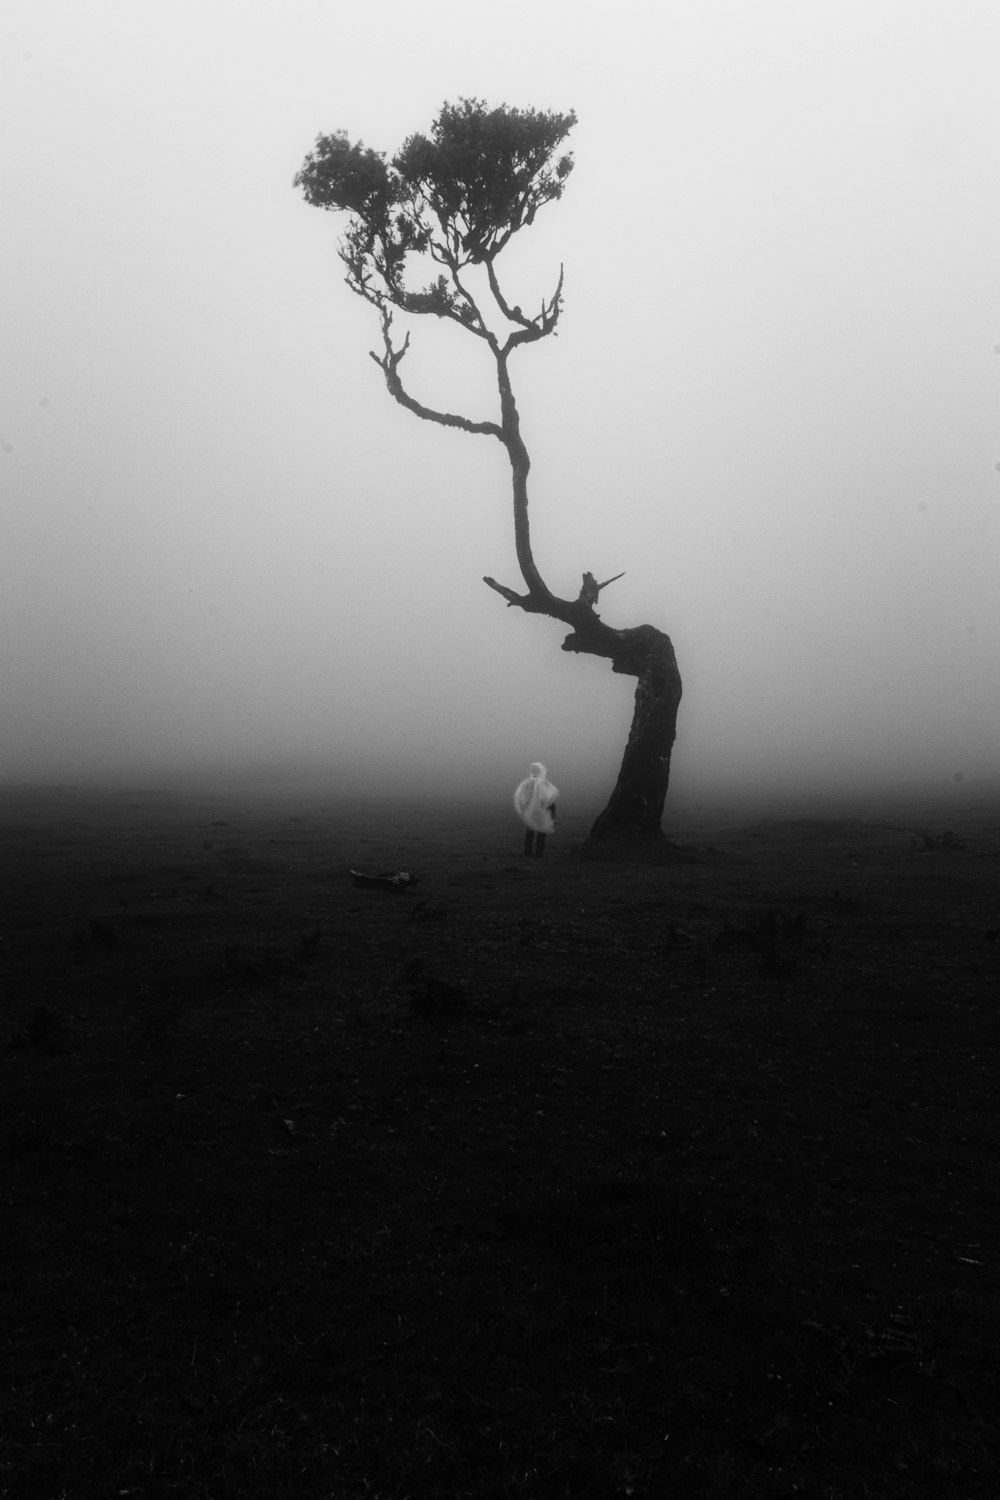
[557, 1178]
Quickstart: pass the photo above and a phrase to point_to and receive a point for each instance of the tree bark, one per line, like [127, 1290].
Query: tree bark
[634, 813]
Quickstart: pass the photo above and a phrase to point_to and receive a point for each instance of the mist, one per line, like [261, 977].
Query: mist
[228, 553]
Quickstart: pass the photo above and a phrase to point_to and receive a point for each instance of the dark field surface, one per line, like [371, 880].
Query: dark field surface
[560, 1178]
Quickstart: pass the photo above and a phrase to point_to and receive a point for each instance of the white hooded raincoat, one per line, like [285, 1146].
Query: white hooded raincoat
[533, 800]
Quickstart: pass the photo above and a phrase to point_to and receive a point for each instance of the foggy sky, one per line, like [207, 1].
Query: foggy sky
[773, 399]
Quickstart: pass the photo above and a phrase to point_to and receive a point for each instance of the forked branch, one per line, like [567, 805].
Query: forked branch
[389, 362]
[590, 588]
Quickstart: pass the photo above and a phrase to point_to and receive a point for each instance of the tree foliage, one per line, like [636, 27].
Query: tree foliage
[456, 196]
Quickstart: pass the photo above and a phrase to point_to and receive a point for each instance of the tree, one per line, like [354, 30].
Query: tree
[450, 202]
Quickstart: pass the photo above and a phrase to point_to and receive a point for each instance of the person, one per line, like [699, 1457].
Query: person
[535, 805]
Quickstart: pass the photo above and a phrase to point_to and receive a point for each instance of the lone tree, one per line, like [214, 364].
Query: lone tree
[450, 203]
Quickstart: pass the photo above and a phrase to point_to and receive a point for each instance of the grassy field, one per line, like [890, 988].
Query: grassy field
[549, 1178]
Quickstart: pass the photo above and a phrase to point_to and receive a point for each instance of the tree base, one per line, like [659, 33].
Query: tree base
[637, 849]
[614, 826]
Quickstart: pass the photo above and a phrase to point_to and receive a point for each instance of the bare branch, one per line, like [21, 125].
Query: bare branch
[478, 326]
[590, 588]
[543, 324]
[388, 363]
[537, 603]
[520, 601]
[512, 314]
[590, 636]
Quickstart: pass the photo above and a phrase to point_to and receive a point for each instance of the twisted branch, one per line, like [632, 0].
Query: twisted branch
[388, 363]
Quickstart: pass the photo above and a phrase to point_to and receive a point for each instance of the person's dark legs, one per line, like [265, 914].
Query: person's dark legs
[529, 840]
[539, 845]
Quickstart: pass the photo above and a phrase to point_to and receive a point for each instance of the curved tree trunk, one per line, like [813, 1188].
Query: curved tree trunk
[635, 808]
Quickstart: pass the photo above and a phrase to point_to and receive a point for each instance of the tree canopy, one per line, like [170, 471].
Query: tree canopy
[456, 196]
